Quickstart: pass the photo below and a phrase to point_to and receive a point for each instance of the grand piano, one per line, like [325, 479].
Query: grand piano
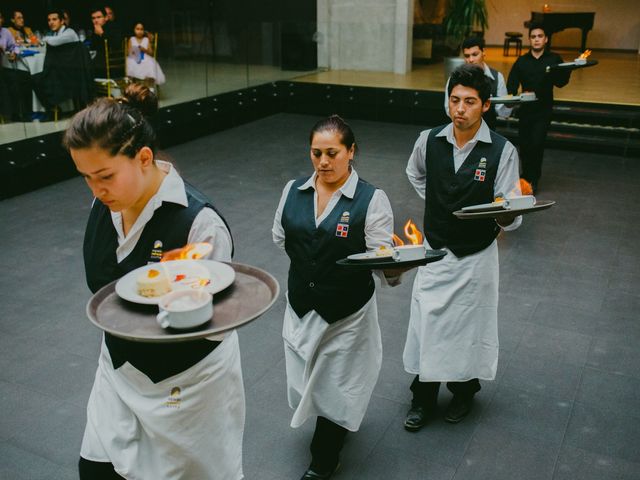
[556, 21]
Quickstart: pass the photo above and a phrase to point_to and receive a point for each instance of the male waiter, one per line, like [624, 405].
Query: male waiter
[530, 71]
[473, 53]
[453, 325]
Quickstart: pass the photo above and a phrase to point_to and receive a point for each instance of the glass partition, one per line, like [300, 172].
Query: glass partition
[201, 47]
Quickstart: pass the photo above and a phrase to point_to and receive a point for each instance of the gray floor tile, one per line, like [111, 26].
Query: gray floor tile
[498, 454]
[540, 376]
[393, 463]
[566, 318]
[617, 354]
[609, 391]
[18, 464]
[574, 463]
[604, 432]
[528, 414]
[555, 345]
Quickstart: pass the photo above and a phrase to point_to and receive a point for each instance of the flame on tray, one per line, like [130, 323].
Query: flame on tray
[191, 251]
[411, 232]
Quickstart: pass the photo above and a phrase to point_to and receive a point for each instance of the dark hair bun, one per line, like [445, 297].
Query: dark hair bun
[141, 98]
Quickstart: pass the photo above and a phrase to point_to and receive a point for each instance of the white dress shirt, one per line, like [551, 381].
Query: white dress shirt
[378, 228]
[206, 227]
[62, 36]
[501, 109]
[507, 183]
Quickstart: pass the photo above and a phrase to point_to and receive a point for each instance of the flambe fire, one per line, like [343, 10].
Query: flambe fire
[191, 251]
[411, 232]
[585, 54]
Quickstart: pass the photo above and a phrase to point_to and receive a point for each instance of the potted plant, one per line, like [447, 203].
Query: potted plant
[463, 18]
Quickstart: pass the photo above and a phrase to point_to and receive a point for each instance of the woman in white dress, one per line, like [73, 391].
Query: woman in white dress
[333, 350]
[156, 411]
[140, 61]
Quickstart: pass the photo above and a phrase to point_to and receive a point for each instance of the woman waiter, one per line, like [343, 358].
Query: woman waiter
[165, 411]
[333, 350]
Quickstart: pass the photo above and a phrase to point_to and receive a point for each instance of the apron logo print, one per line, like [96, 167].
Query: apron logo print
[174, 399]
[156, 252]
[479, 175]
[342, 230]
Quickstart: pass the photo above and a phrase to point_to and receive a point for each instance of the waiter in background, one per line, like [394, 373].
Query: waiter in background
[530, 72]
[473, 52]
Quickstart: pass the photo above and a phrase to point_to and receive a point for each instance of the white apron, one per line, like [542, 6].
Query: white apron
[453, 325]
[188, 426]
[332, 369]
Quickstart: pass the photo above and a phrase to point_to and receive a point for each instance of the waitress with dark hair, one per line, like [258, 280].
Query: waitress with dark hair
[161, 411]
[333, 349]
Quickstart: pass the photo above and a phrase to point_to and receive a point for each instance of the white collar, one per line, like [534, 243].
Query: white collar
[482, 135]
[348, 188]
[487, 71]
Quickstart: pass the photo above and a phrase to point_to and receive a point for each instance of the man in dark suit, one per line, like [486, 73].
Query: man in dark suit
[530, 72]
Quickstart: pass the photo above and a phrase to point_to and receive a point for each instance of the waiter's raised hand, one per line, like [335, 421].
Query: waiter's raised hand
[505, 219]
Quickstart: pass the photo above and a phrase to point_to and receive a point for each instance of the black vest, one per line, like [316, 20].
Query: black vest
[490, 115]
[315, 281]
[448, 191]
[170, 226]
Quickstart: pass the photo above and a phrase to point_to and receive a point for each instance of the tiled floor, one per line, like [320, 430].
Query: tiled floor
[562, 407]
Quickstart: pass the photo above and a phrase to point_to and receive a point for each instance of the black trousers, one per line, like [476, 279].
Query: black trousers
[532, 132]
[90, 470]
[426, 393]
[326, 445]
[19, 86]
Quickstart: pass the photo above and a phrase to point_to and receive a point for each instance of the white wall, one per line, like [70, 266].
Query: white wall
[372, 35]
[616, 24]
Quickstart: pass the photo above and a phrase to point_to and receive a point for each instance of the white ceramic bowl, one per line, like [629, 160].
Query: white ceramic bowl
[185, 309]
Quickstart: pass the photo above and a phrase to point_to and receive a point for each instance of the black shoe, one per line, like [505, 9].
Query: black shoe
[459, 408]
[417, 417]
[311, 474]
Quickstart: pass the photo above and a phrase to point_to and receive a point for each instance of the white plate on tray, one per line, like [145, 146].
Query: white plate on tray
[366, 256]
[183, 275]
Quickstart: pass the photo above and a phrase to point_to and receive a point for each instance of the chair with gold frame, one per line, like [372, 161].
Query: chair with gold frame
[115, 82]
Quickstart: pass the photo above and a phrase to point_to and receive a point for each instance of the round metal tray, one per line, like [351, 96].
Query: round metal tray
[492, 213]
[388, 263]
[252, 293]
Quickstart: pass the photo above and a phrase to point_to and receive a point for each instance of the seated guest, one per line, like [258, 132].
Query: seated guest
[59, 32]
[140, 61]
[66, 17]
[21, 33]
[7, 42]
[16, 82]
[102, 29]
[66, 74]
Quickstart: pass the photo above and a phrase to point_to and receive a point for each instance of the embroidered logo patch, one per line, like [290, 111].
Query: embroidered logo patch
[174, 399]
[156, 252]
[342, 230]
[479, 176]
